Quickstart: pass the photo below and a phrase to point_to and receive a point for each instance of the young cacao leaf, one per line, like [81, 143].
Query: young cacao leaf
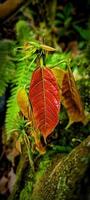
[23, 103]
[59, 74]
[45, 100]
[71, 99]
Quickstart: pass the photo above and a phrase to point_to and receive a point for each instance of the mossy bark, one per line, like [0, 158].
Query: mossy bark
[60, 178]
[60, 183]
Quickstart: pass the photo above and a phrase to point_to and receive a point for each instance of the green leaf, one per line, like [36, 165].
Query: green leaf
[84, 33]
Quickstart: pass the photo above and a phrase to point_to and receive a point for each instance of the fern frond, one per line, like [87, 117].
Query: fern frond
[11, 114]
[7, 67]
[24, 67]
[22, 79]
[24, 32]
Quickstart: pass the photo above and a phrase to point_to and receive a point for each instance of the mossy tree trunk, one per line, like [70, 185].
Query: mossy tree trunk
[60, 178]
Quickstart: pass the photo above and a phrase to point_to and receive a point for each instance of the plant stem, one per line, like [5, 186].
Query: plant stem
[26, 140]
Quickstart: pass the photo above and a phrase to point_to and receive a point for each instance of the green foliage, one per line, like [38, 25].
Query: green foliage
[25, 193]
[22, 75]
[58, 59]
[64, 19]
[69, 25]
[84, 87]
[21, 79]
[23, 32]
[18, 63]
[44, 163]
[84, 33]
[25, 56]
[7, 66]
[87, 54]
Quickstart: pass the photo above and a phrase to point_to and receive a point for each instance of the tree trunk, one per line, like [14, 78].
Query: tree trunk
[59, 178]
[9, 6]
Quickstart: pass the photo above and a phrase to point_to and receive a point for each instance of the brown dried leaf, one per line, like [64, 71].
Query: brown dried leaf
[38, 144]
[71, 99]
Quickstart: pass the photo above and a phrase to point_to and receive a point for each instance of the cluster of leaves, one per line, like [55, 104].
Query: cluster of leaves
[23, 58]
[64, 18]
[70, 26]
[17, 65]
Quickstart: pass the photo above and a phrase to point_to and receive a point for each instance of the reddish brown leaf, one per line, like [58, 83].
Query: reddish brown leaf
[71, 99]
[45, 100]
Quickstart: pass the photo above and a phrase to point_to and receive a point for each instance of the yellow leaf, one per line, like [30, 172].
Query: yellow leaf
[18, 146]
[23, 103]
[47, 48]
[71, 99]
[59, 74]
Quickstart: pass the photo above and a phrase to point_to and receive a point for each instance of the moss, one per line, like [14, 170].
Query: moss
[26, 192]
[84, 87]
[59, 181]
[43, 165]
[55, 177]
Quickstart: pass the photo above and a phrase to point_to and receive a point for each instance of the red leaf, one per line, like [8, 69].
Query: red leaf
[45, 100]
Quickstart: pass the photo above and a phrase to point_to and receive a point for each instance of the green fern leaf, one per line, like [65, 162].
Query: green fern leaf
[23, 32]
[7, 67]
[22, 79]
